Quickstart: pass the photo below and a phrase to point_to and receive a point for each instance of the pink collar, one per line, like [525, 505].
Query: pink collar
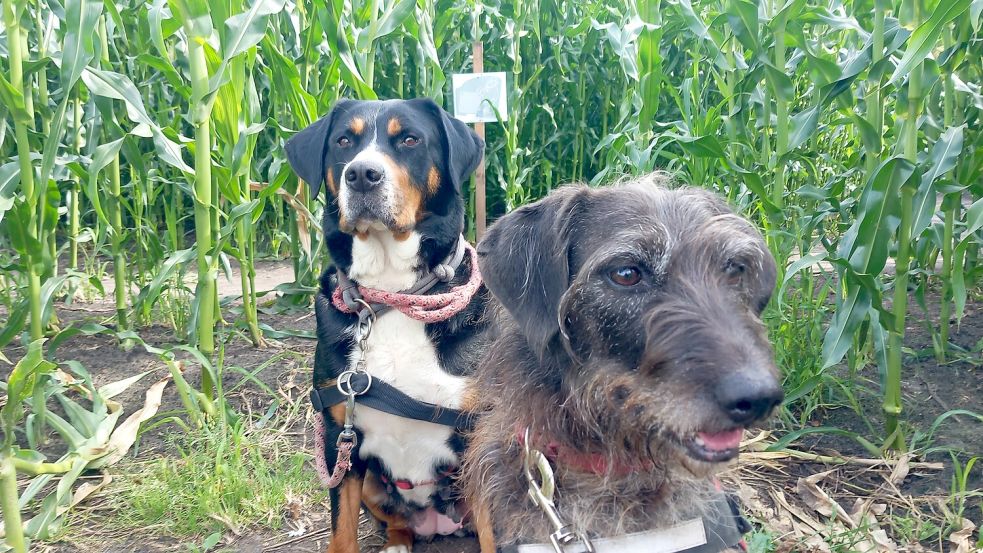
[594, 463]
[421, 307]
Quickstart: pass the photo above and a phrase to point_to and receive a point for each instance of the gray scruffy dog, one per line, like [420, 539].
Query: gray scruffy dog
[630, 353]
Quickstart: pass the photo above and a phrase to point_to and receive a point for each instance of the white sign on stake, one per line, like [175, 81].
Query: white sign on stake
[476, 93]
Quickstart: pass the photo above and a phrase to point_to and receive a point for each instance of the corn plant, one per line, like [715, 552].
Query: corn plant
[93, 437]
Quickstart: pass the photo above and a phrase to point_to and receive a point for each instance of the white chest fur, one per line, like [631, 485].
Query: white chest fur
[400, 353]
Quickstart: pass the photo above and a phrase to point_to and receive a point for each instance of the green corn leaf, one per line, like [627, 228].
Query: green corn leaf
[82, 16]
[20, 386]
[245, 30]
[9, 179]
[13, 102]
[103, 156]
[923, 40]
[844, 324]
[338, 43]
[16, 319]
[391, 19]
[942, 159]
[865, 244]
[157, 13]
[119, 87]
[194, 17]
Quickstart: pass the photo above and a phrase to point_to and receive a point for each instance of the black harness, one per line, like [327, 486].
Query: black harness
[378, 395]
[375, 393]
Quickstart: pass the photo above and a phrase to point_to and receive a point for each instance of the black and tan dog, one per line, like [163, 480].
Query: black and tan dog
[393, 212]
[632, 357]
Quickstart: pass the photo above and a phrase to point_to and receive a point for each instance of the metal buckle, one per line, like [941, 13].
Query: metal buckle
[541, 493]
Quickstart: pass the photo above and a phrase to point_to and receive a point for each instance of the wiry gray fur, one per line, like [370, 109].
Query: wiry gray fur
[625, 374]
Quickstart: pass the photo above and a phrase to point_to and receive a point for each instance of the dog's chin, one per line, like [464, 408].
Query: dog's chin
[366, 218]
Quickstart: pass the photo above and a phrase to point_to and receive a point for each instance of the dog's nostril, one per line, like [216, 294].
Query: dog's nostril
[373, 176]
[746, 400]
[351, 175]
[748, 410]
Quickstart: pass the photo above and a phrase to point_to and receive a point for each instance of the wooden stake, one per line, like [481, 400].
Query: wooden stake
[480, 217]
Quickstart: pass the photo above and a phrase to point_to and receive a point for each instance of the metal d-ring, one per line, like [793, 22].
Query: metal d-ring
[344, 383]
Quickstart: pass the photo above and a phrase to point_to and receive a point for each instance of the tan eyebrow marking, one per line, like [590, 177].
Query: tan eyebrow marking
[433, 181]
[394, 126]
[357, 125]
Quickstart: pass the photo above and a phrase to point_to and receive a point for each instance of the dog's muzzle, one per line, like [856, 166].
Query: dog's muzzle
[367, 195]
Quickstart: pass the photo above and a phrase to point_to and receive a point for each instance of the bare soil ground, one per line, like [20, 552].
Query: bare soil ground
[779, 490]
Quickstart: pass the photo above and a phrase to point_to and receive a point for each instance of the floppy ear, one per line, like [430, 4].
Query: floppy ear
[463, 149]
[524, 259]
[307, 149]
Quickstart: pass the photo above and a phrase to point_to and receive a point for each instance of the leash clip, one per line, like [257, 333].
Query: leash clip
[348, 432]
[366, 318]
[541, 493]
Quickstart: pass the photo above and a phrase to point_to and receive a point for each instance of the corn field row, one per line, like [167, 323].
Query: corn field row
[143, 142]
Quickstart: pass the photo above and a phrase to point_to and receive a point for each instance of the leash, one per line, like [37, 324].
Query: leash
[415, 303]
[369, 304]
[699, 535]
[347, 439]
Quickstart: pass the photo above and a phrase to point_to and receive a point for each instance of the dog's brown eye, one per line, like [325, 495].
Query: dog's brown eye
[625, 276]
[411, 141]
[344, 142]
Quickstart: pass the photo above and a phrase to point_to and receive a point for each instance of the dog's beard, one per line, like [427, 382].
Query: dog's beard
[367, 212]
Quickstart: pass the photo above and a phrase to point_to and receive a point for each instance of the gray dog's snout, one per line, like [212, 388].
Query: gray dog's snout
[746, 399]
[363, 176]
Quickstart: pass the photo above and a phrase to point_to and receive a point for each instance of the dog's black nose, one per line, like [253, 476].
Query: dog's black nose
[363, 176]
[746, 399]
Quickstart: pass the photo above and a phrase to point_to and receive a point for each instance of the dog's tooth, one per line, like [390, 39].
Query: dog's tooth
[699, 441]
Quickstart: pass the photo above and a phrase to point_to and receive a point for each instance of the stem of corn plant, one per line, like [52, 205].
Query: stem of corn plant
[892, 392]
[11, 20]
[875, 109]
[950, 204]
[781, 114]
[42, 85]
[207, 267]
[74, 213]
[12, 525]
[370, 55]
[115, 206]
[247, 270]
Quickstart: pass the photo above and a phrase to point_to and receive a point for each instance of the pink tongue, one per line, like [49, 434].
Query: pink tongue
[722, 440]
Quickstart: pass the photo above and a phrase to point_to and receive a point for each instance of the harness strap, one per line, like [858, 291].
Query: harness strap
[389, 399]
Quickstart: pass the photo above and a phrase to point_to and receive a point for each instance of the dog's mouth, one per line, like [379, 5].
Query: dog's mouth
[366, 216]
[714, 447]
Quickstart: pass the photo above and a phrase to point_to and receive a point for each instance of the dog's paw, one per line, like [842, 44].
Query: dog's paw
[397, 549]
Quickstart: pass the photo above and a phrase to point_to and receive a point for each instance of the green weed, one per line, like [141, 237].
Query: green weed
[215, 481]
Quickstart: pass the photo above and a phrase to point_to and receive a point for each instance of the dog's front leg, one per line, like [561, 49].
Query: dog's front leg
[399, 536]
[483, 527]
[346, 502]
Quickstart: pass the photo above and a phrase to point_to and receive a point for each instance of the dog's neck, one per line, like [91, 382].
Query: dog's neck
[380, 260]
[394, 263]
